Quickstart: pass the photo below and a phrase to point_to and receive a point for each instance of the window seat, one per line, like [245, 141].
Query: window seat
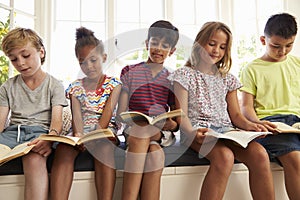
[181, 179]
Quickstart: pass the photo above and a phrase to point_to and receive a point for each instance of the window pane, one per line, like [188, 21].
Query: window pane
[5, 2]
[151, 11]
[4, 15]
[205, 11]
[124, 27]
[64, 64]
[67, 10]
[98, 28]
[93, 10]
[24, 21]
[126, 15]
[184, 11]
[26, 6]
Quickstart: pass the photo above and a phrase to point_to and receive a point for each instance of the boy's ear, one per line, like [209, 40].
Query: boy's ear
[42, 52]
[263, 40]
[104, 57]
[147, 44]
[172, 51]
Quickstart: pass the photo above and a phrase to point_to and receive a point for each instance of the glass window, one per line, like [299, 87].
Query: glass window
[247, 45]
[26, 6]
[67, 10]
[23, 16]
[123, 14]
[24, 21]
[92, 10]
[5, 2]
[88, 13]
[151, 11]
[184, 11]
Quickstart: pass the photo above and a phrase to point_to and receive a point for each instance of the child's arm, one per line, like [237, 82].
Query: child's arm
[122, 103]
[77, 121]
[44, 147]
[181, 101]
[249, 111]
[3, 117]
[110, 107]
[237, 118]
[56, 120]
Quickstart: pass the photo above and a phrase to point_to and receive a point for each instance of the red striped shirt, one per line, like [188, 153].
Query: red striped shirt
[149, 95]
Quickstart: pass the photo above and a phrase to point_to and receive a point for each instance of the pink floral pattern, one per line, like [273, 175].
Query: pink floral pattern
[207, 104]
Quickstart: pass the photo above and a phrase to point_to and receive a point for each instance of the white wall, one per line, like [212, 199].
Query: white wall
[293, 7]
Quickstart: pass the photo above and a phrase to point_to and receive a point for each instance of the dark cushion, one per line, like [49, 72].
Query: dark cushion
[175, 155]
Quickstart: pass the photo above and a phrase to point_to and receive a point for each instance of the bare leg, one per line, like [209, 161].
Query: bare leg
[221, 162]
[256, 159]
[134, 167]
[36, 176]
[62, 172]
[291, 166]
[150, 189]
[105, 173]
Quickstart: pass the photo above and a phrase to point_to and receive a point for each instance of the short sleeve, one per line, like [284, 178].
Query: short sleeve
[124, 77]
[233, 83]
[246, 79]
[3, 96]
[181, 76]
[58, 93]
[74, 86]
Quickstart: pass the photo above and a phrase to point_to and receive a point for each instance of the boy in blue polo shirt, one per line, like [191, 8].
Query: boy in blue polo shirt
[146, 89]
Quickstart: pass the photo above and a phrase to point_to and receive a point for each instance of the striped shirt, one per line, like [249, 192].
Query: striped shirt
[92, 102]
[149, 95]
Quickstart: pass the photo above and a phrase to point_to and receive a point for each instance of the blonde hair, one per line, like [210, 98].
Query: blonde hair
[20, 37]
[203, 37]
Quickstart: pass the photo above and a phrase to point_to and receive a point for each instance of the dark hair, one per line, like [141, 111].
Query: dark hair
[283, 25]
[164, 29]
[86, 37]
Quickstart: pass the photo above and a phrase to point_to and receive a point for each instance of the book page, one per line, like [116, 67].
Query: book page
[132, 117]
[17, 151]
[3, 150]
[60, 138]
[170, 114]
[239, 136]
[96, 134]
[282, 128]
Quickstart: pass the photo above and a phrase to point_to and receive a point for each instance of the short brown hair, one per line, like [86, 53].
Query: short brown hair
[19, 37]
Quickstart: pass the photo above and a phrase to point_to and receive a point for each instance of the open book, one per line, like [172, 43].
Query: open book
[240, 137]
[134, 117]
[7, 154]
[72, 140]
[284, 128]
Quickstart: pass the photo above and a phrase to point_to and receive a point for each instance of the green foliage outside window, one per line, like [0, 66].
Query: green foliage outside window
[4, 63]
[247, 50]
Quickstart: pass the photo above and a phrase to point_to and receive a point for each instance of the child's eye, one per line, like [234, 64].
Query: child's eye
[26, 56]
[154, 43]
[166, 46]
[94, 60]
[223, 47]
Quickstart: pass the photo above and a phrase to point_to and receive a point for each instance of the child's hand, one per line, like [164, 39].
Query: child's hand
[267, 124]
[200, 134]
[169, 125]
[41, 147]
[78, 134]
[257, 127]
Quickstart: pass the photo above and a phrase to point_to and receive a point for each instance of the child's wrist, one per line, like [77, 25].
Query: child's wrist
[176, 128]
[53, 131]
